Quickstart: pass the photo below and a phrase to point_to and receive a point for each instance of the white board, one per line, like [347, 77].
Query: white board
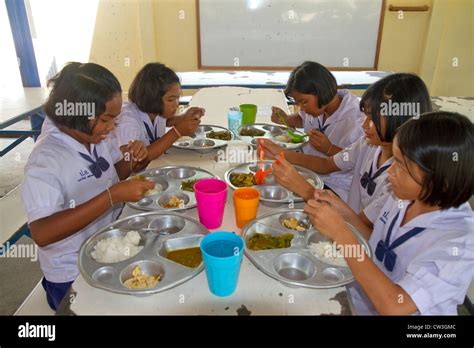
[279, 33]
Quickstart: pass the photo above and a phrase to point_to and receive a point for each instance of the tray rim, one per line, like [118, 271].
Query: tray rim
[217, 146]
[135, 206]
[292, 195]
[294, 147]
[249, 254]
[153, 257]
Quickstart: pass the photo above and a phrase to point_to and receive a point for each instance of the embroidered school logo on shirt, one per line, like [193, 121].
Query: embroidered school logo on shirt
[84, 174]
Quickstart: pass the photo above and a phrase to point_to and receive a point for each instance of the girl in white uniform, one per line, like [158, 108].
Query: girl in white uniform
[72, 186]
[369, 157]
[153, 102]
[331, 117]
[423, 239]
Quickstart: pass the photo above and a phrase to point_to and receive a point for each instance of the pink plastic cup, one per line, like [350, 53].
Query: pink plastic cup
[211, 195]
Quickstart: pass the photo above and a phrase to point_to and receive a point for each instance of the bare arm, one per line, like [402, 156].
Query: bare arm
[334, 150]
[360, 222]
[387, 297]
[173, 121]
[135, 158]
[155, 149]
[124, 169]
[62, 224]
[190, 113]
[65, 223]
[158, 147]
[295, 121]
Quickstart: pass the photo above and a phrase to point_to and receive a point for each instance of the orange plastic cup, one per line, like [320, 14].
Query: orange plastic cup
[246, 205]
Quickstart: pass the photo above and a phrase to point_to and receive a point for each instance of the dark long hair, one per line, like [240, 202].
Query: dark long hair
[80, 83]
[312, 78]
[399, 89]
[150, 85]
[442, 145]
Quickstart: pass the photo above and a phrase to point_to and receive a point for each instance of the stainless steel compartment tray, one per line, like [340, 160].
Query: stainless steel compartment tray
[160, 232]
[271, 193]
[296, 265]
[272, 132]
[170, 179]
[200, 142]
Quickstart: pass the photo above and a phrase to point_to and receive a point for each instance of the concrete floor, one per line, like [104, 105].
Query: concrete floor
[19, 276]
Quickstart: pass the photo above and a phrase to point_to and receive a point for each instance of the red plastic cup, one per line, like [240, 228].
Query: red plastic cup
[211, 196]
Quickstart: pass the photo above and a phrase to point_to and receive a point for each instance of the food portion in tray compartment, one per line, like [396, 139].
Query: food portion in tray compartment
[140, 280]
[188, 185]
[154, 191]
[138, 177]
[266, 241]
[242, 179]
[117, 248]
[284, 138]
[294, 224]
[251, 132]
[173, 203]
[221, 135]
[203, 143]
[189, 257]
[184, 139]
[328, 253]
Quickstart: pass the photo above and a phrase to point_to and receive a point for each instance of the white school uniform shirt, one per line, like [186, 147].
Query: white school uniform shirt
[57, 178]
[133, 122]
[359, 158]
[343, 128]
[435, 267]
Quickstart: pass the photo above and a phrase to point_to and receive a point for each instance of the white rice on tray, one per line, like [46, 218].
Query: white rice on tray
[116, 249]
[325, 252]
[154, 191]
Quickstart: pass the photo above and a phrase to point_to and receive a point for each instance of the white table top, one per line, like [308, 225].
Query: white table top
[256, 292]
[271, 79]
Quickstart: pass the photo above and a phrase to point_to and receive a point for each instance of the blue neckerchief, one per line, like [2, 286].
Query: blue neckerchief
[98, 166]
[368, 181]
[385, 249]
[322, 128]
[151, 135]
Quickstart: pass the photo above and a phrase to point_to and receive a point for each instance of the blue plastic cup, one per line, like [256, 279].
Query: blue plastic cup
[234, 119]
[222, 254]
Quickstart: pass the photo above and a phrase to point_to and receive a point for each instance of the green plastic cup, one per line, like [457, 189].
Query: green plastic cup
[249, 112]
